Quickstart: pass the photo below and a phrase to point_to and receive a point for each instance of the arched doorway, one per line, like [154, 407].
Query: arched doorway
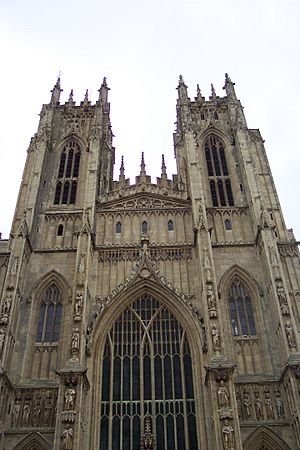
[147, 381]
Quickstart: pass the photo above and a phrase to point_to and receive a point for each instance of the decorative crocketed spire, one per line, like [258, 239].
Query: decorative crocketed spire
[56, 93]
[103, 91]
[143, 166]
[213, 92]
[163, 167]
[70, 100]
[122, 169]
[182, 89]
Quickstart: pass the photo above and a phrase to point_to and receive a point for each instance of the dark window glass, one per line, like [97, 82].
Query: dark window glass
[118, 227]
[208, 162]
[60, 230]
[69, 163]
[144, 227]
[50, 315]
[221, 193]
[65, 193]
[170, 225]
[229, 193]
[241, 313]
[61, 169]
[223, 161]
[228, 225]
[76, 165]
[57, 193]
[213, 193]
[73, 192]
[216, 161]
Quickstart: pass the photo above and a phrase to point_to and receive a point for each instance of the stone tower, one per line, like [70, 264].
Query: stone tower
[159, 315]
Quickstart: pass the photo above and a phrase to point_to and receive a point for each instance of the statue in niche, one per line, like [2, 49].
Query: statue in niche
[16, 412]
[279, 405]
[269, 406]
[223, 395]
[36, 412]
[70, 395]
[81, 271]
[67, 438]
[282, 300]
[258, 407]
[48, 410]
[26, 413]
[238, 402]
[13, 272]
[290, 335]
[247, 405]
[211, 300]
[215, 337]
[6, 306]
[228, 436]
[2, 339]
[75, 344]
[273, 257]
[78, 303]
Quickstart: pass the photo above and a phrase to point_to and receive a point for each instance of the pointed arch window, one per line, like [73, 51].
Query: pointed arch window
[144, 226]
[66, 186]
[147, 372]
[218, 174]
[170, 225]
[50, 314]
[118, 227]
[240, 309]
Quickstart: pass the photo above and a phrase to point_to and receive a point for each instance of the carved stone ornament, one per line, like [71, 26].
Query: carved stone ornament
[223, 395]
[70, 395]
[225, 413]
[228, 436]
[6, 309]
[215, 337]
[67, 438]
[258, 407]
[16, 413]
[211, 301]
[13, 273]
[81, 271]
[75, 342]
[247, 406]
[78, 306]
[279, 405]
[269, 406]
[2, 339]
[290, 335]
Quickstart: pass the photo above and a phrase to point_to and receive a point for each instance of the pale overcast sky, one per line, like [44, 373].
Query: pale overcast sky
[142, 47]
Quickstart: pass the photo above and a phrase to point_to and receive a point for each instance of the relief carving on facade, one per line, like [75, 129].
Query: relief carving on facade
[34, 408]
[75, 342]
[6, 307]
[13, 273]
[2, 340]
[215, 337]
[79, 301]
[290, 335]
[81, 271]
[67, 438]
[228, 436]
[282, 298]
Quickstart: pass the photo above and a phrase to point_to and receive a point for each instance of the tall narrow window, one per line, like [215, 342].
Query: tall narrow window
[170, 225]
[147, 372]
[144, 227]
[118, 227]
[49, 320]
[68, 171]
[240, 309]
[218, 174]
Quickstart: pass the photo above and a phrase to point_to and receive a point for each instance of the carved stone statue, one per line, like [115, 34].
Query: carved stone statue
[283, 300]
[26, 413]
[228, 436]
[81, 271]
[247, 405]
[211, 299]
[70, 395]
[16, 413]
[67, 438]
[36, 412]
[48, 410]
[223, 395]
[6, 306]
[78, 303]
[258, 407]
[215, 337]
[269, 406]
[290, 335]
[279, 405]
[2, 339]
[75, 344]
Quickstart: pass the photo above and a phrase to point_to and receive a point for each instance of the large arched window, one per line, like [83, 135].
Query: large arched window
[240, 307]
[147, 376]
[66, 186]
[217, 169]
[49, 320]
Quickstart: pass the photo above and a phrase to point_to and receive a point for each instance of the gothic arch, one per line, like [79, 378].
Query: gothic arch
[241, 273]
[213, 130]
[265, 438]
[181, 313]
[33, 441]
[45, 280]
[78, 137]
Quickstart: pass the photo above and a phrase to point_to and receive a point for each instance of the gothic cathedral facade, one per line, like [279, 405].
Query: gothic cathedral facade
[161, 316]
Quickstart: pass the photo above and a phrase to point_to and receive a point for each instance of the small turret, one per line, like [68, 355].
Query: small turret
[143, 166]
[86, 99]
[70, 100]
[199, 97]
[122, 170]
[213, 93]
[229, 87]
[56, 93]
[182, 90]
[163, 167]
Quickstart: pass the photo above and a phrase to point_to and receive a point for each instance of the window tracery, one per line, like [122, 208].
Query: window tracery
[217, 169]
[50, 313]
[147, 372]
[66, 186]
[240, 308]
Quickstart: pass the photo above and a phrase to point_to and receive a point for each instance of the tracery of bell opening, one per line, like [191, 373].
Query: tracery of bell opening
[147, 382]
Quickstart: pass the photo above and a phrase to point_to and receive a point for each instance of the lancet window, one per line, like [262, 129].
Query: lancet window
[240, 308]
[217, 169]
[50, 312]
[147, 377]
[66, 186]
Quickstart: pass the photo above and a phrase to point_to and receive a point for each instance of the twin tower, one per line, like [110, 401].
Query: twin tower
[159, 316]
